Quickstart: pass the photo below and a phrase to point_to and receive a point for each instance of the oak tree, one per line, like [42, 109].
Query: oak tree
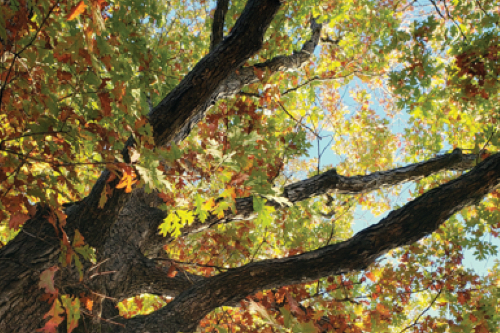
[163, 165]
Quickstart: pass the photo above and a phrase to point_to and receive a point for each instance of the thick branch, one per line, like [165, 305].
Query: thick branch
[146, 277]
[331, 182]
[191, 96]
[93, 222]
[416, 220]
[244, 76]
[218, 24]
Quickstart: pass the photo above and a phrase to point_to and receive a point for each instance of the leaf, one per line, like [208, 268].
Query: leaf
[187, 217]
[127, 180]
[209, 204]
[105, 103]
[76, 11]
[170, 225]
[47, 280]
[305, 328]
[88, 303]
[371, 276]
[382, 309]
[294, 305]
[55, 318]
[78, 239]
[238, 179]
[18, 220]
[172, 271]
[72, 306]
[261, 310]
[103, 198]
[287, 317]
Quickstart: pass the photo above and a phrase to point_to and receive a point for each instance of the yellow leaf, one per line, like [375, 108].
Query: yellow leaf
[207, 206]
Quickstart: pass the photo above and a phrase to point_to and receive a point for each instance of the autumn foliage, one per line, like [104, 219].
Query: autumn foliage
[361, 86]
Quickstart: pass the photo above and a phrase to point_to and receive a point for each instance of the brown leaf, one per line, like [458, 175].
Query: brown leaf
[105, 103]
[17, 220]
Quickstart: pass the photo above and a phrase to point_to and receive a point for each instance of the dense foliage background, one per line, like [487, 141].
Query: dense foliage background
[357, 85]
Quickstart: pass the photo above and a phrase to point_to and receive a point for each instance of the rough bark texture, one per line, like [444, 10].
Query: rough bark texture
[125, 235]
[218, 24]
[243, 76]
[193, 94]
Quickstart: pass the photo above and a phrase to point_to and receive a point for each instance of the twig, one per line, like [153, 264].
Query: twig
[102, 273]
[98, 264]
[423, 312]
[101, 318]
[18, 54]
[291, 116]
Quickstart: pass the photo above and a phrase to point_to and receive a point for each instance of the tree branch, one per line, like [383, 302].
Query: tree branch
[218, 24]
[414, 221]
[244, 76]
[146, 277]
[192, 97]
[331, 182]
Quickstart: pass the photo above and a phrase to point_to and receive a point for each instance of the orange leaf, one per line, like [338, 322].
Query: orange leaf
[127, 180]
[55, 316]
[172, 271]
[87, 302]
[382, 309]
[76, 11]
[371, 276]
[140, 122]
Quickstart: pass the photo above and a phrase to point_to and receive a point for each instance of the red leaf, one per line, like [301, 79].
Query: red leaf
[63, 75]
[259, 73]
[76, 11]
[17, 220]
[85, 55]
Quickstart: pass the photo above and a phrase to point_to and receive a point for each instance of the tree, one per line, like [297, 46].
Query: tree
[208, 200]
